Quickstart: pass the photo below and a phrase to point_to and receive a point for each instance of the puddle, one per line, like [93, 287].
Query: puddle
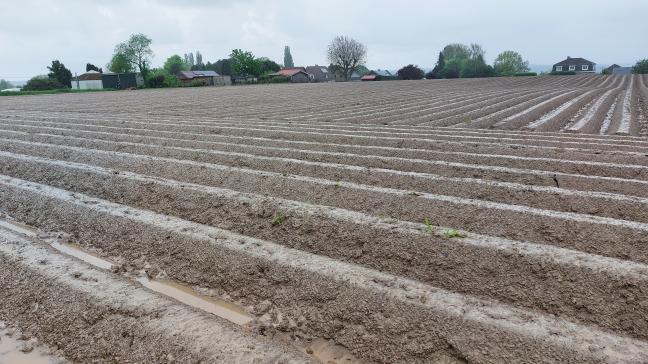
[78, 252]
[14, 351]
[188, 296]
[329, 353]
[182, 293]
[18, 228]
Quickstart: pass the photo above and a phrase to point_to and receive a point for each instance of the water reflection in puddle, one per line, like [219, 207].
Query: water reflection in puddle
[14, 351]
[189, 297]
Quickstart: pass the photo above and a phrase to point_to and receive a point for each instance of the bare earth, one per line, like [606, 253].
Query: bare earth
[488, 221]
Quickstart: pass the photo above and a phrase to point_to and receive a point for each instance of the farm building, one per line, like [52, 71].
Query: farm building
[379, 75]
[296, 74]
[320, 74]
[578, 65]
[622, 71]
[209, 78]
[90, 80]
[122, 81]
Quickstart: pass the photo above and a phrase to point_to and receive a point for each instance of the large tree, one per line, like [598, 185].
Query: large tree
[268, 65]
[245, 64]
[456, 51]
[508, 63]
[58, 72]
[119, 64]
[222, 67]
[5, 84]
[199, 59]
[288, 60]
[641, 67]
[346, 54]
[411, 72]
[175, 64]
[92, 67]
[137, 50]
[438, 68]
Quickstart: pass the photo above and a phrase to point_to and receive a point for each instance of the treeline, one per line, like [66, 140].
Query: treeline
[461, 61]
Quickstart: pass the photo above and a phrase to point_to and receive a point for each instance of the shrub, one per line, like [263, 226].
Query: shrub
[159, 78]
[273, 79]
[563, 73]
[525, 74]
[41, 83]
[641, 67]
[198, 83]
[411, 72]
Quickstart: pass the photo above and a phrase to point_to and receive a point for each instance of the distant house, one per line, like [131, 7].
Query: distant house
[295, 74]
[90, 80]
[379, 75]
[320, 74]
[339, 76]
[355, 77]
[209, 78]
[578, 65]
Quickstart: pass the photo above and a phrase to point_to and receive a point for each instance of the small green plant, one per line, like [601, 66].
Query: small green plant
[467, 119]
[278, 219]
[453, 233]
[414, 193]
[195, 156]
[428, 225]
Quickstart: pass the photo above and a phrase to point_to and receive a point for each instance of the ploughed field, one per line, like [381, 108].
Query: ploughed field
[362, 222]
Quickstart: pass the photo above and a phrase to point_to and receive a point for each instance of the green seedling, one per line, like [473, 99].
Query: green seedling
[195, 156]
[278, 219]
[428, 225]
[414, 193]
[453, 233]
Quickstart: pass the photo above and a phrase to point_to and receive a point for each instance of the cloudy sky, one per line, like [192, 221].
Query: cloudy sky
[34, 32]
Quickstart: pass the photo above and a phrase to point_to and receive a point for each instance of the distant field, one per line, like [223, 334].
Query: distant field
[491, 220]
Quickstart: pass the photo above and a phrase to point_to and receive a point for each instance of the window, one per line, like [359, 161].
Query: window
[572, 68]
[558, 68]
[585, 67]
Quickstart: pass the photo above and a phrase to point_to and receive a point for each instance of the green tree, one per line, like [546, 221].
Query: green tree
[222, 67]
[92, 67]
[346, 54]
[411, 72]
[119, 64]
[436, 71]
[42, 83]
[508, 63]
[199, 59]
[137, 50]
[452, 68]
[5, 84]
[59, 73]
[175, 64]
[268, 66]
[456, 51]
[288, 59]
[160, 77]
[244, 63]
[641, 67]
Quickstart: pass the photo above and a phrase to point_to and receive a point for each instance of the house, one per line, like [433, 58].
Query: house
[295, 74]
[578, 65]
[320, 74]
[122, 81]
[208, 78]
[339, 76]
[90, 80]
[379, 75]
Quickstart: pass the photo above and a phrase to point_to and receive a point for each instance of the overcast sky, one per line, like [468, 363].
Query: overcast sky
[396, 33]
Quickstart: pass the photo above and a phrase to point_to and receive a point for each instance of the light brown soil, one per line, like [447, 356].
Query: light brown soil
[341, 228]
